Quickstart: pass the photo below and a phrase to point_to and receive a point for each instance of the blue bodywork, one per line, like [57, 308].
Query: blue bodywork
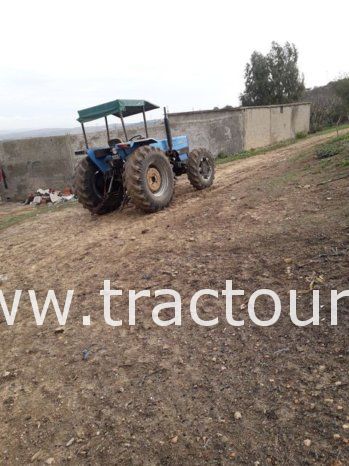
[180, 145]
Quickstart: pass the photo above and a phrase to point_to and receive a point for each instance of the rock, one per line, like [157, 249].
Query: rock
[59, 330]
[144, 231]
[174, 439]
[37, 456]
[6, 374]
[307, 442]
[336, 436]
[50, 460]
[80, 432]
[70, 442]
[345, 426]
[191, 238]
[237, 415]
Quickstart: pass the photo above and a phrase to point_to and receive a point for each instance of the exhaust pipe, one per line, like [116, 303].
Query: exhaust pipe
[168, 130]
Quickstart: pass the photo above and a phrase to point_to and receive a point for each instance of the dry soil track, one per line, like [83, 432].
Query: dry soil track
[150, 395]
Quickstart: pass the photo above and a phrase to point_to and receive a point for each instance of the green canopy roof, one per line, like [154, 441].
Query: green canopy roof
[115, 107]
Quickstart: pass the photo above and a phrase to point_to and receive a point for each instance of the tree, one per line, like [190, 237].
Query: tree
[329, 104]
[341, 87]
[326, 107]
[273, 78]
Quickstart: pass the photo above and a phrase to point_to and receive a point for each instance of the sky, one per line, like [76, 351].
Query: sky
[59, 56]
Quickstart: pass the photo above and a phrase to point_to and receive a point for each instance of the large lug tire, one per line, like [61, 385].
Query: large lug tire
[149, 179]
[91, 189]
[201, 168]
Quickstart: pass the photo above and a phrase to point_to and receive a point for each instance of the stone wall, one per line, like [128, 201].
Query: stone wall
[49, 162]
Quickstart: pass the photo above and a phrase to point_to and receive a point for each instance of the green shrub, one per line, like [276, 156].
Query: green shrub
[301, 135]
[328, 150]
[333, 147]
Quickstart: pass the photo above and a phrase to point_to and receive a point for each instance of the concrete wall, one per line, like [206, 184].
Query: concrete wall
[49, 162]
[221, 131]
[265, 126]
[301, 118]
[3, 191]
[256, 127]
[37, 163]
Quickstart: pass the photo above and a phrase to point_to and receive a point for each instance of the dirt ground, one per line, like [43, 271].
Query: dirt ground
[184, 395]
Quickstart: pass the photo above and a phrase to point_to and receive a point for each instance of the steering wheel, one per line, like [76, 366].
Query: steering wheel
[137, 136]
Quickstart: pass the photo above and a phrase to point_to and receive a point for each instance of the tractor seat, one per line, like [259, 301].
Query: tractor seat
[113, 142]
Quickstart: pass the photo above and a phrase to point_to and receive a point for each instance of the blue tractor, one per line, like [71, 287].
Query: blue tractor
[139, 168]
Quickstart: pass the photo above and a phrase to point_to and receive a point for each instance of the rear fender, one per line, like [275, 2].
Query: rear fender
[100, 162]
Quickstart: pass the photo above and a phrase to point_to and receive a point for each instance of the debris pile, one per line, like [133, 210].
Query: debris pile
[45, 196]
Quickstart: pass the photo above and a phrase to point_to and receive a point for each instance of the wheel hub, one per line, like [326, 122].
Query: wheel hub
[153, 179]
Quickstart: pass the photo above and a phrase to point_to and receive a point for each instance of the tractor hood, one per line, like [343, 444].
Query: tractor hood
[119, 108]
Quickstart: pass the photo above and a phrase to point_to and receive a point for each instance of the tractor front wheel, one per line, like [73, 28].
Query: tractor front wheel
[201, 168]
[149, 179]
[98, 193]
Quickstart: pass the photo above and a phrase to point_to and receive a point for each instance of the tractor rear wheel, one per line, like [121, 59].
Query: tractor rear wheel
[149, 179]
[92, 186]
[201, 168]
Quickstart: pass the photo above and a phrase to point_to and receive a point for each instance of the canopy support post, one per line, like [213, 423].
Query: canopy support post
[106, 125]
[123, 126]
[145, 123]
[85, 137]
